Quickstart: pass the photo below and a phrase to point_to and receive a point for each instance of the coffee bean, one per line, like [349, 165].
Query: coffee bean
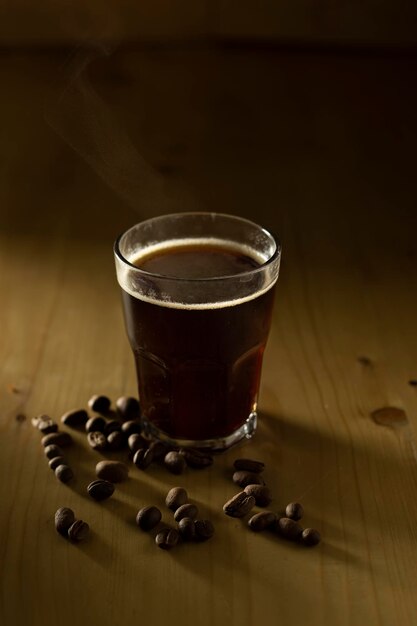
[97, 441]
[36, 421]
[59, 439]
[186, 510]
[101, 404]
[288, 528]
[52, 451]
[261, 494]
[128, 408]
[132, 427]
[310, 537]
[100, 490]
[167, 538]
[143, 458]
[294, 511]
[74, 418]
[174, 462]
[45, 424]
[58, 460]
[112, 426]
[148, 517]
[95, 424]
[116, 440]
[159, 450]
[114, 471]
[176, 497]
[261, 521]
[243, 479]
[204, 529]
[64, 517]
[64, 473]
[78, 531]
[186, 528]
[196, 459]
[248, 465]
[239, 505]
[136, 442]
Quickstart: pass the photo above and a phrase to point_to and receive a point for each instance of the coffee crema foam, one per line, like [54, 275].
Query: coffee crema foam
[127, 279]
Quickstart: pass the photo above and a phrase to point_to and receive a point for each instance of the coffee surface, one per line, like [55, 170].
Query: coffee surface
[193, 261]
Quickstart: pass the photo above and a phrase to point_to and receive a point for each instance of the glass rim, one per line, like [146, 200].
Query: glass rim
[251, 272]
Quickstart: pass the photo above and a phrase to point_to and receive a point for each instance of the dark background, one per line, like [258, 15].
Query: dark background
[268, 109]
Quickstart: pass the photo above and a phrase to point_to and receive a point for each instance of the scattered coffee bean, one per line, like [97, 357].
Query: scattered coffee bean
[128, 408]
[310, 537]
[288, 528]
[78, 531]
[100, 489]
[101, 404]
[114, 471]
[248, 465]
[243, 479]
[174, 462]
[131, 427]
[97, 440]
[294, 511]
[176, 497]
[95, 424]
[64, 517]
[58, 460]
[167, 538]
[116, 440]
[186, 510]
[159, 450]
[46, 425]
[196, 459]
[52, 451]
[136, 442]
[148, 517]
[64, 473]
[186, 528]
[143, 458]
[261, 494]
[38, 418]
[111, 426]
[74, 418]
[239, 505]
[204, 529]
[261, 521]
[59, 439]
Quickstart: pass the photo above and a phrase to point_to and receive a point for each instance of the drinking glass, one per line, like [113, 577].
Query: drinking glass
[198, 343]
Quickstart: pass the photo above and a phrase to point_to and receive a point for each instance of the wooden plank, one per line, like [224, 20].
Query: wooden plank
[320, 150]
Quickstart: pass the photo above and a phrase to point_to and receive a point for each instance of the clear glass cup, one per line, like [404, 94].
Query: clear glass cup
[198, 343]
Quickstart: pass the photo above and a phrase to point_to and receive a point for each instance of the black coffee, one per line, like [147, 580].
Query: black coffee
[198, 367]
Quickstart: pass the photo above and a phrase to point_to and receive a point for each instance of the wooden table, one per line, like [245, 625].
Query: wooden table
[319, 148]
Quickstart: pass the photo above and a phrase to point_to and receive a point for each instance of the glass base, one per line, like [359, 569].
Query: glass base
[246, 431]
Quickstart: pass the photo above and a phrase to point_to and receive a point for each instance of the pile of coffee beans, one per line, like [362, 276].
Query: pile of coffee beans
[185, 513]
[110, 430]
[53, 441]
[248, 475]
[69, 527]
[120, 428]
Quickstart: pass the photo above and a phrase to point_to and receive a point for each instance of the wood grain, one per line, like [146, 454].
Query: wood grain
[317, 148]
